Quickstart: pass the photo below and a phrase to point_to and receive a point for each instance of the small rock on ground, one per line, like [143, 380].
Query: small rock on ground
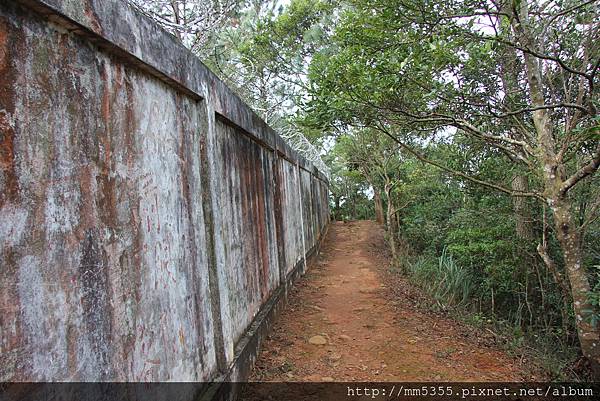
[317, 340]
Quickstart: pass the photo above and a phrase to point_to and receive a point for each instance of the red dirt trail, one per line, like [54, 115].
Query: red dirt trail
[373, 332]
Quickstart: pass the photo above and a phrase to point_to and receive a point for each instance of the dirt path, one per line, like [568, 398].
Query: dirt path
[370, 332]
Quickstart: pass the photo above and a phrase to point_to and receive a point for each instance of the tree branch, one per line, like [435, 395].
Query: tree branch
[533, 53]
[590, 168]
[541, 107]
[424, 159]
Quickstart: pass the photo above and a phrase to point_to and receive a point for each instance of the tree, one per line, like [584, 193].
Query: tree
[265, 57]
[378, 160]
[193, 22]
[347, 187]
[515, 79]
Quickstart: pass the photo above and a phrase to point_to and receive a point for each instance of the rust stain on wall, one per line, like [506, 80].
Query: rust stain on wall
[90, 13]
[10, 49]
[14, 218]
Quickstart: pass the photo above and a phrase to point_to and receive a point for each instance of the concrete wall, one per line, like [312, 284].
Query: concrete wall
[150, 222]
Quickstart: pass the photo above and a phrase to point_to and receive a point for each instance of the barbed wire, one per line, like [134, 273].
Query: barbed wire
[299, 143]
[293, 136]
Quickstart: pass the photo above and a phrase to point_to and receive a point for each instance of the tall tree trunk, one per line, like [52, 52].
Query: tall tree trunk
[524, 233]
[378, 206]
[554, 175]
[523, 226]
[568, 234]
[569, 238]
[391, 221]
[566, 230]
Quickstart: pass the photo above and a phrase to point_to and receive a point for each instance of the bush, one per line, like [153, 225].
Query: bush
[442, 278]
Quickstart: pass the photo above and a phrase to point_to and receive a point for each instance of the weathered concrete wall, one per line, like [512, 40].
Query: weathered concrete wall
[149, 220]
[291, 205]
